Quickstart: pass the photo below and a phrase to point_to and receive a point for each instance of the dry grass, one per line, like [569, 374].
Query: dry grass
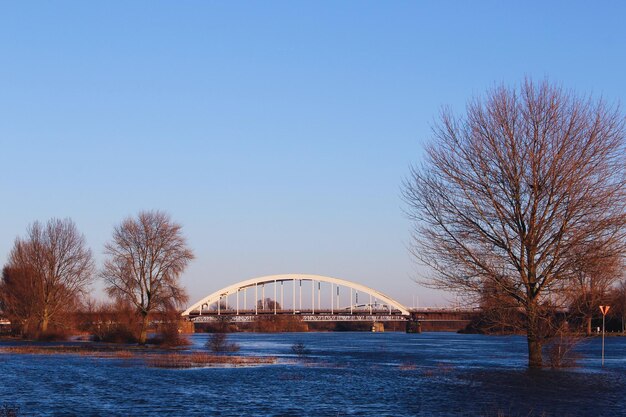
[68, 350]
[441, 369]
[407, 366]
[123, 354]
[196, 360]
[44, 350]
[152, 358]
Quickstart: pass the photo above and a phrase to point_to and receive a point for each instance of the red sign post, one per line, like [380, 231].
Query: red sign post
[603, 310]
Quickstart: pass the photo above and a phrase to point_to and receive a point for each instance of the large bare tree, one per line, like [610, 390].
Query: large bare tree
[46, 272]
[144, 262]
[517, 193]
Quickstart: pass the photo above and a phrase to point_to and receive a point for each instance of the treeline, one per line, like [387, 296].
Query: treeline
[44, 290]
[289, 323]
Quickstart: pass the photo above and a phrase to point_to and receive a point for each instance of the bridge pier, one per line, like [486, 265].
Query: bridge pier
[378, 327]
[413, 326]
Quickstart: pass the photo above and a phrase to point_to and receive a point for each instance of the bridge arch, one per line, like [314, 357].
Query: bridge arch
[273, 279]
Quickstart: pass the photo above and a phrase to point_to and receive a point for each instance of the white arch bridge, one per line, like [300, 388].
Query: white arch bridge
[311, 297]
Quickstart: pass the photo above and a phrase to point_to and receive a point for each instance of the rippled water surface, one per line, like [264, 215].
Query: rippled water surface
[346, 374]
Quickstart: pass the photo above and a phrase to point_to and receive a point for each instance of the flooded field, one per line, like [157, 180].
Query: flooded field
[343, 374]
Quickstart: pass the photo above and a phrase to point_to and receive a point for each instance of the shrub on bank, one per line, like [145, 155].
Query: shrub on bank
[218, 343]
[169, 336]
[54, 335]
[116, 334]
[560, 351]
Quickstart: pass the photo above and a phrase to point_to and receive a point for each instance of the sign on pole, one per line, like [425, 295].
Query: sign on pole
[603, 310]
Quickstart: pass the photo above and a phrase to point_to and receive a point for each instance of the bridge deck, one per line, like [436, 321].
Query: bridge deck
[304, 315]
[243, 318]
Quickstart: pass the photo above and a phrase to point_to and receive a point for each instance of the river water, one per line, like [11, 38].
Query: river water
[345, 374]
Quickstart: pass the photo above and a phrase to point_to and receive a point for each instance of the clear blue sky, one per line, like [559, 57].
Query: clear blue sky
[277, 133]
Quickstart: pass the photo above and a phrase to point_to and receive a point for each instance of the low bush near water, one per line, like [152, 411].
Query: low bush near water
[194, 360]
[169, 336]
[300, 349]
[218, 343]
[9, 411]
[560, 352]
[54, 335]
[116, 334]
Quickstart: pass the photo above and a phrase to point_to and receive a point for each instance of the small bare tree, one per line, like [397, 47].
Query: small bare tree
[517, 194]
[19, 299]
[144, 262]
[46, 272]
[593, 279]
[618, 304]
[268, 304]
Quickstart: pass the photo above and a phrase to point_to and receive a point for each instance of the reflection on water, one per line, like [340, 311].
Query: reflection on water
[345, 374]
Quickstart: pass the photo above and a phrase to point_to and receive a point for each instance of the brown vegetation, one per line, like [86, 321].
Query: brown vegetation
[280, 323]
[109, 322]
[63, 350]
[118, 323]
[262, 324]
[169, 331]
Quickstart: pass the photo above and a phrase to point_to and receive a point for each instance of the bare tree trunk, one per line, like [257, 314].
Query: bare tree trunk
[588, 326]
[144, 329]
[535, 359]
[44, 321]
[26, 327]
